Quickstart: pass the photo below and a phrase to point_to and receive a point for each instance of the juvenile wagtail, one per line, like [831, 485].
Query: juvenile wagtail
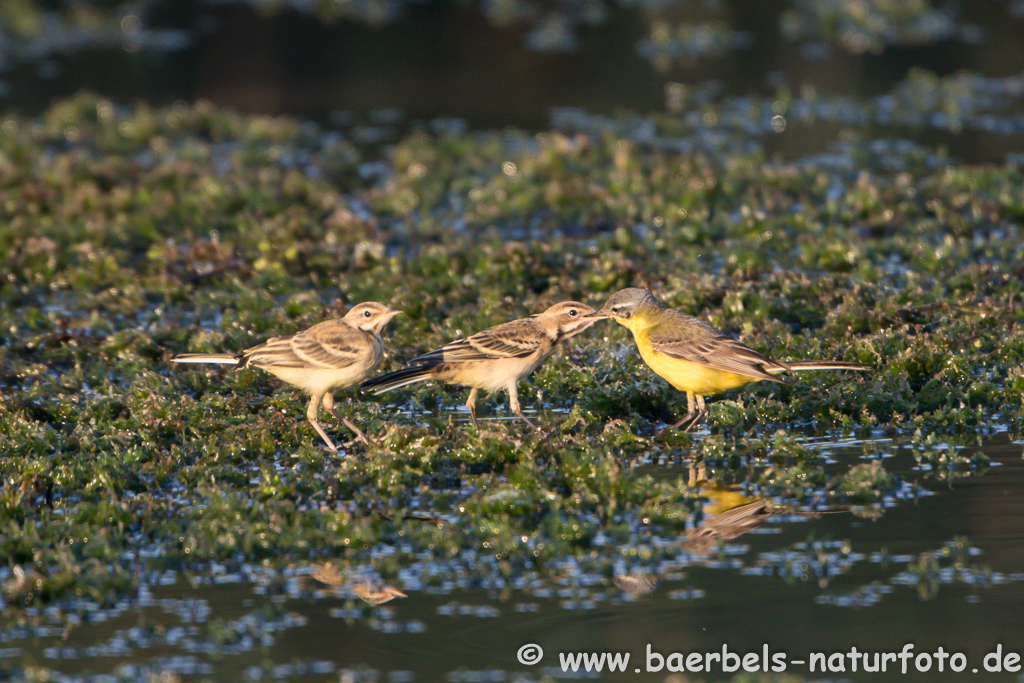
[496, 358]
[693, 356]
[328, 356]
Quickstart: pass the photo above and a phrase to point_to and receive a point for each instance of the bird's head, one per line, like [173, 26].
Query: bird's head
[370, 316]
[569, 317]
[629, 306]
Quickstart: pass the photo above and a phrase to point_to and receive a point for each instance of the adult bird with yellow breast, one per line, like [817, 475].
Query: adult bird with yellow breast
[693, 356]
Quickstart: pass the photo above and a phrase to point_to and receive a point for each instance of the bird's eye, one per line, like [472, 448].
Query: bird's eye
[367, 314]
[573, 312]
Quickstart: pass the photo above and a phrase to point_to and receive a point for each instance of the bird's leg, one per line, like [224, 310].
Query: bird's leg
[691, 411]
[314, 404]
[701, 411]
[329, 405]
[513, 402]
[695, 411]
[471, 406]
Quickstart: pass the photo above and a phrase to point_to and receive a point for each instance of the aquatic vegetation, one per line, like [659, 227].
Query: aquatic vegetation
[131, 234]
[872, 25]
[161, 523]
[667, 44]
[948, 461]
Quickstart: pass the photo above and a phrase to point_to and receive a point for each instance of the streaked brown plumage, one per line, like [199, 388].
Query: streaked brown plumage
[494, 359]
[330, 355]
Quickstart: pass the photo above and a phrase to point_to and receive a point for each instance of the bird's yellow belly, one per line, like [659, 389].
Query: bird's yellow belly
[691, 377]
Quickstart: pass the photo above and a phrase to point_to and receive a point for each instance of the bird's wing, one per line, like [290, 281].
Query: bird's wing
[330, 345]
[516, 339]
[697, 342]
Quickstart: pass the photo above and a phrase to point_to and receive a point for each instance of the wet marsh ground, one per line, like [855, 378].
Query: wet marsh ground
[158, 520]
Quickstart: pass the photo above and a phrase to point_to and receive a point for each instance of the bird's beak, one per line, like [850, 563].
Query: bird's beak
[599, 315]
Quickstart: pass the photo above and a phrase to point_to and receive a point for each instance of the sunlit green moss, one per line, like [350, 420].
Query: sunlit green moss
[217, 242]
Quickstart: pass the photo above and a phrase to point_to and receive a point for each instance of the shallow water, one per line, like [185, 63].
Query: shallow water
[940, 568]
[937, 563]
[489, 72]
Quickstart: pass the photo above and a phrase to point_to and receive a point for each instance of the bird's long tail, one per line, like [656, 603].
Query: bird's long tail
[801, 365]
[399, 378]
[213, 358]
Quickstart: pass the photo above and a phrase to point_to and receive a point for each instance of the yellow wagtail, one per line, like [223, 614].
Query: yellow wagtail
[693, 356]
[496, 358]
[328, 356]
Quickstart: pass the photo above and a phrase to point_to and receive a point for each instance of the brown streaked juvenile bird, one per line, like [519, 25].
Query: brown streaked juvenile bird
[330, 355]
[693, 356]
[494, 359]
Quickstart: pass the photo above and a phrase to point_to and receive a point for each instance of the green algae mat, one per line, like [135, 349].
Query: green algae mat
[187, 522]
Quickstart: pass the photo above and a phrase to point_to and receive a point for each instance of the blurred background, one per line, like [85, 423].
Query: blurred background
[946, 74]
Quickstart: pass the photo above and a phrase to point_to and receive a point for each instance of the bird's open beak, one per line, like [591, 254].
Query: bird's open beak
[599, 315]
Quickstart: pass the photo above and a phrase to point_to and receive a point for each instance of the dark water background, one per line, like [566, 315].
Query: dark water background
[419, 61]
